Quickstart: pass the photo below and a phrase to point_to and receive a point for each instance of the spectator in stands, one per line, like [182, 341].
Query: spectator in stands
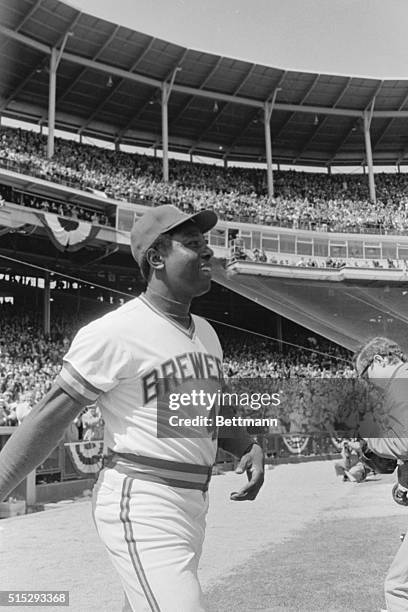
[30, 360]
[92, 423]
[24, 406]
[311, 201]
[3, 412]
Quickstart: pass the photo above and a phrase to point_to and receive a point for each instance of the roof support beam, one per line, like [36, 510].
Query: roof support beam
[114, 90]
[368, 115]
[353, 126]
[221, 110]
[304, 98]
[222, 98]
[25, 19]
[211, 72]
[213, 95]
[192, 90]
[55, 59]
[390, 122]
[25, 40]
[268, 109]
[148, 101]
[83, 70]
[29, 15]
[321, 123]
[166, 92]
[214, 121]
[38, 67]
[255, 115]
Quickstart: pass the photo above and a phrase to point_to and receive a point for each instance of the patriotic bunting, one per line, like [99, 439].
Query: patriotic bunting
[86, 457]
[67, 234]
[295, 444]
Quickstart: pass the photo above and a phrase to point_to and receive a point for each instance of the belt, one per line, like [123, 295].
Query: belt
[153, 469]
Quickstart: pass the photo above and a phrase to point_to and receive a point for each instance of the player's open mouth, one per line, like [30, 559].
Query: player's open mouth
[206, 270]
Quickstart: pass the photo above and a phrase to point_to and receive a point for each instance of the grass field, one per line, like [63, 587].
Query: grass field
[309, 543]
[331, 566]
[335, 562]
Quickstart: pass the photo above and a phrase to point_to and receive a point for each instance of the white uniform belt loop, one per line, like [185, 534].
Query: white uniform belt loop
[153, 469]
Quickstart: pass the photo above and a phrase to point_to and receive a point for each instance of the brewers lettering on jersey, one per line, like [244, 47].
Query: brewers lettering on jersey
[151, 498]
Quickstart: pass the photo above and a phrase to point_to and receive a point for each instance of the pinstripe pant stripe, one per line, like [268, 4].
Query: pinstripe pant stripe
[131, 544]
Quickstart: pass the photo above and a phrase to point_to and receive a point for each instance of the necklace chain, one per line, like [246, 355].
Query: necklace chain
[163, 297]
[182, 317]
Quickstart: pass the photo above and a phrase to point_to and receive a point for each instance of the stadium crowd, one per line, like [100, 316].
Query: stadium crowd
[30, 360]
[239, 253]
[249, 356]
[74, 212]
[315, 201]
[29, 363]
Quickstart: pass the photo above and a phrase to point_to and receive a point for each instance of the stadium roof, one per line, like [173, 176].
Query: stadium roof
[109, 86]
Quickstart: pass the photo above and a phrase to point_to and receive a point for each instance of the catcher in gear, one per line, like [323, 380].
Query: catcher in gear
[386, 465]
[376, 463]
[351, 466]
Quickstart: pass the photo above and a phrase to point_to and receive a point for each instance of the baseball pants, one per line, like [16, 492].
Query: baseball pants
[154, 535]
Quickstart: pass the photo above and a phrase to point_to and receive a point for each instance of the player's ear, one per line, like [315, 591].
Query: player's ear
[155, 259]
[379, 359]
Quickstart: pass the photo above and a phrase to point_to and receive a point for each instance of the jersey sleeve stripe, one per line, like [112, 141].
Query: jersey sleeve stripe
[75, 374]
[69, 390]
[76, 385]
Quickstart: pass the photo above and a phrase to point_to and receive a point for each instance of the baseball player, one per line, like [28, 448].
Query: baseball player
[150, 501]
[383, 363]
[351, 468]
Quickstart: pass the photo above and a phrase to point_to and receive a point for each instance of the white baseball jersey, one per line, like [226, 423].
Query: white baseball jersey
[121, 360]
[153, 533]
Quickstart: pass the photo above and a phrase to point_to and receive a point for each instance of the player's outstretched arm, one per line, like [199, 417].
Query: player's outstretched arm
[36, 437]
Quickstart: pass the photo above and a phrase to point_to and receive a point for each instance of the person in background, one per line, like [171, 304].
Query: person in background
[383, 363]
[351, 467]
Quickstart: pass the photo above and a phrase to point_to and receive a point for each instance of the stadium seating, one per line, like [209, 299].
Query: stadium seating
[312, 201]
[30, 361]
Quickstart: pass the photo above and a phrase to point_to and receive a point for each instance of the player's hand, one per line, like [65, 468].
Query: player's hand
[253, 464]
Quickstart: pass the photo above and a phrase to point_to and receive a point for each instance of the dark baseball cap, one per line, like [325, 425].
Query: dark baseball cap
[162, 219]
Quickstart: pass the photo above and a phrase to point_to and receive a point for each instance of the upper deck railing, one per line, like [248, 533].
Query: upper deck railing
[301, 241]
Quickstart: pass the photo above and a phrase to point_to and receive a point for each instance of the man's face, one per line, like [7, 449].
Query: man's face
[188, 263]
[377, 369]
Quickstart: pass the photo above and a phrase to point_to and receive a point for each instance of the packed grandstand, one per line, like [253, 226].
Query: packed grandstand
[302, 200]
[30, 360]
